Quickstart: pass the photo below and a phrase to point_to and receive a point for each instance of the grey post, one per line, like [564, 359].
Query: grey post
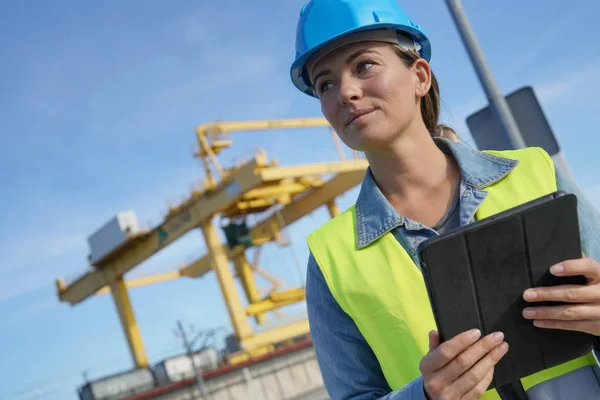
[498, 103]
[188, 347]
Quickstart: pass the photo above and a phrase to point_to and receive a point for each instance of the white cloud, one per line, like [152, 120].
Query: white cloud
[575, 81]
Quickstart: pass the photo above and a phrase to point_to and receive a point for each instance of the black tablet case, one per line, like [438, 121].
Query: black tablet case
[476, 275]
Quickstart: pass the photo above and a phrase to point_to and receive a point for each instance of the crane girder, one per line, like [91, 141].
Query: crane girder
[265, 231]
[247, 177]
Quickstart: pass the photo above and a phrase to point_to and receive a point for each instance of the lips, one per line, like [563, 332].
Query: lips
[357, 114]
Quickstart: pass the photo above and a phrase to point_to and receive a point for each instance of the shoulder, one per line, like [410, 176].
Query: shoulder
[532, 162]
[526, 154]
[343, 220]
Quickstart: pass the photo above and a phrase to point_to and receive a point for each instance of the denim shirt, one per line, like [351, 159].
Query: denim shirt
[348, 365]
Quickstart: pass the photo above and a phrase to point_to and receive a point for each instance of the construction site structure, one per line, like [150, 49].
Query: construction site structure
[290, 372]
[258, 186]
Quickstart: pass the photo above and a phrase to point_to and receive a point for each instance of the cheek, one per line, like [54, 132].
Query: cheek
[329, 110]
[396, 91]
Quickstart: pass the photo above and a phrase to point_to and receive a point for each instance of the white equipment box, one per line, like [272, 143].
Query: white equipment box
[112, 234]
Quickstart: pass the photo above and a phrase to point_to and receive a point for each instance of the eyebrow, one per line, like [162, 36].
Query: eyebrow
[350, 59]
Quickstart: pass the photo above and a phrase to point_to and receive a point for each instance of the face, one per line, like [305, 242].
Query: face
[368, 94]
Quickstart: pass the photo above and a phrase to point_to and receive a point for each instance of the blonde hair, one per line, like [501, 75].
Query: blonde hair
[430, 104]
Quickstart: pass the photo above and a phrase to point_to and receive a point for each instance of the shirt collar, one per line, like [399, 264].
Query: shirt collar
[375, 216]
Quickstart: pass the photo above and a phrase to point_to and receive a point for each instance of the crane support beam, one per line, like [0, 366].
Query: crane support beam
[220, 263]
[281, 189]
[244, 272]
[276, 300]
[128, 322]
[260, 125]
[198, 268]
[333, 208]
[265, 230]
[146, 280]
[275, 335]
[279, 173]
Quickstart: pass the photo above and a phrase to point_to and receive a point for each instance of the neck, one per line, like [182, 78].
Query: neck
[413, 167]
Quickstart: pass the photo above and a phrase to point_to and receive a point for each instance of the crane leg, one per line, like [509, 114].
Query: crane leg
[333, 208]
[244, 272]
[130, 326]
[220, 264]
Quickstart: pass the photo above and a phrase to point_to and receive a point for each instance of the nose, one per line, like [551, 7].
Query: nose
[350, 90]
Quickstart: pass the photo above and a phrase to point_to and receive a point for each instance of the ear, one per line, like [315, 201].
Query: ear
[422, 74]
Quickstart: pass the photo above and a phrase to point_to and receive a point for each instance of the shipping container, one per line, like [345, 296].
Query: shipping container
[118, 386]
[112, 234]
[180, 367]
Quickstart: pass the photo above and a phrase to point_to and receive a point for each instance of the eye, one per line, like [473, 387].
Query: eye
[323, 87]
[364, 65]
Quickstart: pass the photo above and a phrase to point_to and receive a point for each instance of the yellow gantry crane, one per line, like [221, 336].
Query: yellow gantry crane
[254, 186]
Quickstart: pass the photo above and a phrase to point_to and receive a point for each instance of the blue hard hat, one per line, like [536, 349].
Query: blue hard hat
[323, 21]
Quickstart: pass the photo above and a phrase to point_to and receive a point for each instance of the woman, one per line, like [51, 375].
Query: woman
[372, 327]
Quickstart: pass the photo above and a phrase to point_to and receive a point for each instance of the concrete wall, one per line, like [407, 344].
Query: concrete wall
[293, 375]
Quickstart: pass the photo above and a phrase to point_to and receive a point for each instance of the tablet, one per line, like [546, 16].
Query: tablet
[476, 275]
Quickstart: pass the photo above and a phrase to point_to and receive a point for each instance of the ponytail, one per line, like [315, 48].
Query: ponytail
[430, 104]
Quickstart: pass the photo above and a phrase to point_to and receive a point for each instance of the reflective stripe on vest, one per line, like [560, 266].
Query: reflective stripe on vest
[389, 302]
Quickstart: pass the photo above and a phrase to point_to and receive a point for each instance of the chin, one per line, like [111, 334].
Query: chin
[368, 137]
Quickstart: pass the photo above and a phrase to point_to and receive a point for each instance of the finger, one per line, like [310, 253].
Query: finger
[477, 392]
[446, 351]
[479, 371]
[588, 326]
[434, 340]
[564, 293]
[465, 360]
[587, 267]
[564, 313]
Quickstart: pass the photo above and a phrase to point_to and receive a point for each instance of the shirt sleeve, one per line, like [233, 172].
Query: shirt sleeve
[589, 222]
[589, 217]
[348, 365]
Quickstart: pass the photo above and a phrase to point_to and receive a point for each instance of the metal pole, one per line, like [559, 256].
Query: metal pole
[498, 103]
[561, 163]
[188, 347]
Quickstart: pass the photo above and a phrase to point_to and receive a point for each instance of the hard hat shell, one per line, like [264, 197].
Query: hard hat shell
[323, 21]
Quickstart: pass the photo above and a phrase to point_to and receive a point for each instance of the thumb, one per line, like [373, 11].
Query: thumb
[434, 340]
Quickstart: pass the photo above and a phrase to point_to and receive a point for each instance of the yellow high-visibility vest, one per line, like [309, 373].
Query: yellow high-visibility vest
[383, 291]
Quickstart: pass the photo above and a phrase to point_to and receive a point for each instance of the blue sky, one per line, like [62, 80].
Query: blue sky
[98, 105]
